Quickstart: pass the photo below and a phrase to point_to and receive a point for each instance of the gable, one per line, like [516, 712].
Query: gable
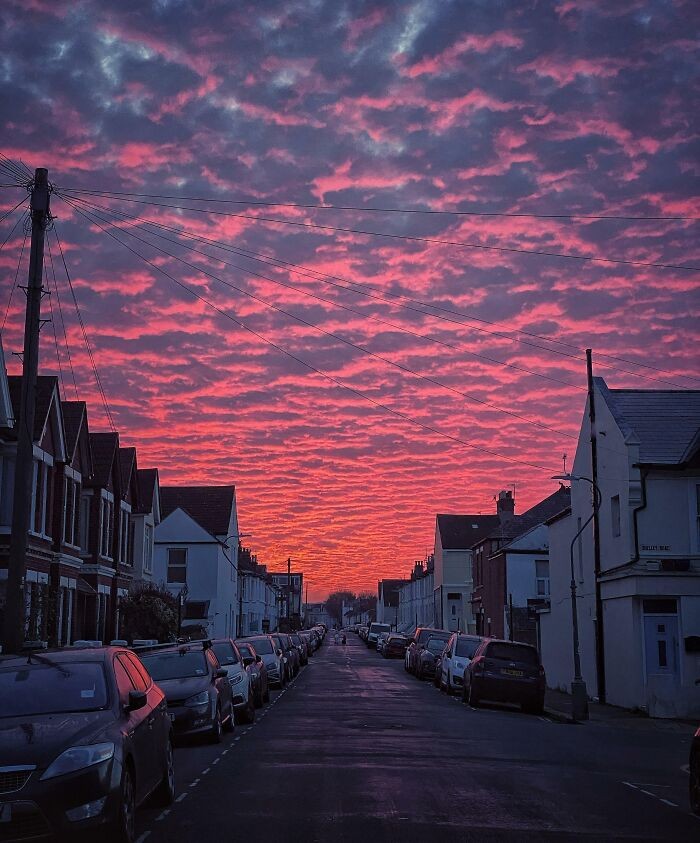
[180, 528]
[6, 414]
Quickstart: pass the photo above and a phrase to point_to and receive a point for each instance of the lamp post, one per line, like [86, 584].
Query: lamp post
[579, 693]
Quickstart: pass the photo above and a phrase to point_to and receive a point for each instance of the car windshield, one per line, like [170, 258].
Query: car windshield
[424, 635]
[436, 645]
[379, 627]
[263, 646]
[175, 665]
[52, 688]
[296, 639]
[396, 639]
[245, 650]
[513, 653]
[466, 647]
[225, 653]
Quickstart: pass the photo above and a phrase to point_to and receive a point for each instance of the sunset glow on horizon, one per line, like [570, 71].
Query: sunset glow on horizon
[352, 385]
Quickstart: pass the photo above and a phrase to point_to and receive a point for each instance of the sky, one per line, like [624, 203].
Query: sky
[352, 385]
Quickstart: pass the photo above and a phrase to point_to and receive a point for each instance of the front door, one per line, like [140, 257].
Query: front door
[662, 658]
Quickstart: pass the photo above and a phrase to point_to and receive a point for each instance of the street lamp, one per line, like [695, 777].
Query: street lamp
[579, 694]
[239, 536]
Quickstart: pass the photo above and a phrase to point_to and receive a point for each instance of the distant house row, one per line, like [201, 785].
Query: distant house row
[101, 526]
[509, 575]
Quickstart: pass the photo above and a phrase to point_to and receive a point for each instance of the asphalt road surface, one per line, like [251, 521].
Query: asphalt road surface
[357, 750]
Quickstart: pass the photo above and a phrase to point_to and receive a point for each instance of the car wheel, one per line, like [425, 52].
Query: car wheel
[229, 724]
[694, 788]
[473, 699]
[165, 792]
[124, 830]
[216, 728]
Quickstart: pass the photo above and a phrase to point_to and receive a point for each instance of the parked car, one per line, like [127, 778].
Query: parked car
[427, 656]
[85, 738]
[307, 638]
[302, 649]
[381, 641]
[231, 661]
[395, 646]
[363, 631]
[505, 671]
[373, 632]
[273, 658]
[418, 642]
[196, 687]
[458, 653]
[255, 666]
[694, 766]
[289, 652]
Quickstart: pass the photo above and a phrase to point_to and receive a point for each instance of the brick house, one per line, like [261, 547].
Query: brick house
[144, 520]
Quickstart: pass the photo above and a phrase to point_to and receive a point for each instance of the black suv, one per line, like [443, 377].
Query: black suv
[505, 671]
[195, 685]
[85, 738]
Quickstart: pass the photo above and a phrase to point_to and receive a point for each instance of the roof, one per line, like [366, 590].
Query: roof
[147, 479]
[459, 532]
[45, 386]
[73, 415]
[209, 506]
[665, 422]
[540, 513]
[127, 461]
[104, 447]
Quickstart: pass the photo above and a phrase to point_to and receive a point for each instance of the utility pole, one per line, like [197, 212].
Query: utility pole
[13, 631]
[599, 630]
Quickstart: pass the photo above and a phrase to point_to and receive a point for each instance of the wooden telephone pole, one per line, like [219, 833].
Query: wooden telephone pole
[13, 631]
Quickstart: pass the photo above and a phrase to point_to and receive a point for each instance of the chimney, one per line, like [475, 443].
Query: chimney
[505, 507]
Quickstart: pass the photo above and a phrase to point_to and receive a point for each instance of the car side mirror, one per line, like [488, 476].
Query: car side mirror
[279, 652]
[137, 700]
[258, 659]
[248, 660]
[220, 673]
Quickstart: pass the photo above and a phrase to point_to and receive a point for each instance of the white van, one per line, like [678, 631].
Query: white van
[374, 630]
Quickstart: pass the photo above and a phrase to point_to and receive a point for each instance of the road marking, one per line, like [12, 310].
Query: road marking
[224, 752]
[653, 795]
[142, 837]
[182, 797]
[215, 761]
[206, 770]
[195, 782]
[162, 815]
[668, 802]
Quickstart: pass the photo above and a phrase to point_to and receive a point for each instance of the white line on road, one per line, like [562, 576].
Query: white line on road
[195, 783]
[205, 771]
[162, 815]
[182, 797]
[142, 837]
[215, 761]
[668, 802]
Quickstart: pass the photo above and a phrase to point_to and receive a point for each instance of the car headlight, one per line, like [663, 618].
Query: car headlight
[235, 678]
[78, 758]
[198, 699]
[460, 665]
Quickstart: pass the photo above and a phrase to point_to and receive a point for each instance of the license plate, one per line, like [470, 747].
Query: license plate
[513, 672]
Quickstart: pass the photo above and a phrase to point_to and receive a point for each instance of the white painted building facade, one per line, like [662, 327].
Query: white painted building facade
[197, 561]
[259, 603]
[649, 479]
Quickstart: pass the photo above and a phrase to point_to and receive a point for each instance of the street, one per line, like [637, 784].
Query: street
[355, 749]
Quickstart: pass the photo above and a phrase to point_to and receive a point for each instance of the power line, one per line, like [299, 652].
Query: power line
[275, 264]
[416, 238]
[307, 365]
[389, 210]
[331, 334]
[11, 211]
[100, 388]
[385, 295]
[14, 283]
[63, 324]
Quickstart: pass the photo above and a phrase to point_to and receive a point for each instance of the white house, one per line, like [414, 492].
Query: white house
[648, 470]
[259, 598]
[196, 546]
[388, 592]
[454, 537]
[417, 606]
[315, 613]
[144, 520]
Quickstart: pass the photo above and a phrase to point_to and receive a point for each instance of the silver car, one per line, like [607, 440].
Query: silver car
[272, 656]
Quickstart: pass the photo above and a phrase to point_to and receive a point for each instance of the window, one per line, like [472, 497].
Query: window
[124, 546]
[124, 683]
[71, 511]
[147, 548]
[106, 527]
[177, 564]
[542, 576]
[84, 521]
[41, 486]
[615, 514]
[196, 610]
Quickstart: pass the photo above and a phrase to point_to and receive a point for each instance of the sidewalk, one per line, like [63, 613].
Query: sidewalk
[557, 705]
